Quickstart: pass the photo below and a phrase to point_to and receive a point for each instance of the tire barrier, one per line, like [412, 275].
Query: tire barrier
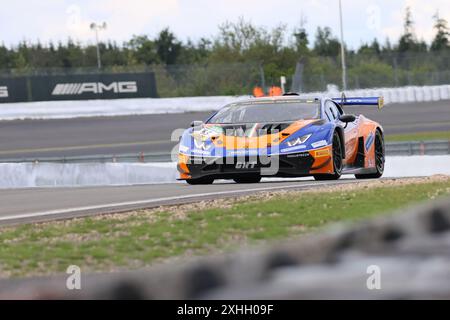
[401, 256]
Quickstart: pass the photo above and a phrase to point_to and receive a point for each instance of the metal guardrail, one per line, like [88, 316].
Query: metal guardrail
[406, 148]
[411, 148]
[121, 158]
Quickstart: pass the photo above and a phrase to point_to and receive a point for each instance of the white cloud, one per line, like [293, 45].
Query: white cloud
[422, 15]
[123, 18]
[61, 19]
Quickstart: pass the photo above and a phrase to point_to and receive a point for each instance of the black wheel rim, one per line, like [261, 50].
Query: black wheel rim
[337, 155]
[379, 154]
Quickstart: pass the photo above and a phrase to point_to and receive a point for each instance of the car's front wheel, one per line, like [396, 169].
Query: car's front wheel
[337, 161]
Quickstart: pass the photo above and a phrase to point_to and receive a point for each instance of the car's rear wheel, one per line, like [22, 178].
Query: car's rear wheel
[379, 159]
[199, 181]
[337, 161]
[248, 179]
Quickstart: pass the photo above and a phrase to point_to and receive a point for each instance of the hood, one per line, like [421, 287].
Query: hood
[248, 135]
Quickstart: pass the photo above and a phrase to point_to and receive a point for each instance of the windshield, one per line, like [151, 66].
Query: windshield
[272, 111]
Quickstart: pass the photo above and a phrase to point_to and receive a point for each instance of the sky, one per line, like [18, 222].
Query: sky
[364, 20]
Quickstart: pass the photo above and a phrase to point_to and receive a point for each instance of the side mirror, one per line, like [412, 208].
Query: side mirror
[346, 118]
[196, 123]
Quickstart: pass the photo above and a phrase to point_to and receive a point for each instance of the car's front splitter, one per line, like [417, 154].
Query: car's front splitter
[317, 161]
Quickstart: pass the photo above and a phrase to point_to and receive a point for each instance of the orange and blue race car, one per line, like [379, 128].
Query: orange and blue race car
[283, 136]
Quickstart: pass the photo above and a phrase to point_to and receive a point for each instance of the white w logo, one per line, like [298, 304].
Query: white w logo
[201, 145]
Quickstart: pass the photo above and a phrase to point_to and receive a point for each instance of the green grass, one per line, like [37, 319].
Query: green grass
[419, 136]
[97, 244]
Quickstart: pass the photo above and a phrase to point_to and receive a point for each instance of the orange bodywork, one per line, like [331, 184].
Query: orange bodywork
[364, 128]
[322, 160]
[369, 127]
[234, 143]
[182, 165]
[359, 140]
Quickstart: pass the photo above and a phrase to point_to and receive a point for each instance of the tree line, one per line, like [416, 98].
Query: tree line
[275, 51]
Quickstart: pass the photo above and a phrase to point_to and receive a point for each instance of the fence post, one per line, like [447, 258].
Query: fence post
[322, 81]
[395, 72]
[263, 77]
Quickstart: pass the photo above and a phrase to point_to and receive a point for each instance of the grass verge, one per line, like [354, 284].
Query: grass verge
[419, 136]
[137, 239]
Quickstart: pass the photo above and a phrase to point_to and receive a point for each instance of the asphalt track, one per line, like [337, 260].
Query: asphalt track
[45, 204]
[152, 133]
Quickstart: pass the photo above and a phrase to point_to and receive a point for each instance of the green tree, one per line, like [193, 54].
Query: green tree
[144, 50]
[195, 52]
[373, 48]
[441, 40]
[5, 57]
[325, 43]
[168, 47]
[301, 41]
[408, 41]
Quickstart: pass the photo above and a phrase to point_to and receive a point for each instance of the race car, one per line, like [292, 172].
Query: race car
[283, 136]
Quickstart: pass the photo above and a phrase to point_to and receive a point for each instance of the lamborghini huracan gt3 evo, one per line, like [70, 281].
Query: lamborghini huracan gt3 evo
[283, 137]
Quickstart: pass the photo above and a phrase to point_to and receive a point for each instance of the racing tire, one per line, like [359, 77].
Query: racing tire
[200, 181]
[379, 159]
[248, 179]
[337, 161]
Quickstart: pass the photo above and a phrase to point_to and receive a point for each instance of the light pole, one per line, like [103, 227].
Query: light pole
[97, 28]
[344, 66]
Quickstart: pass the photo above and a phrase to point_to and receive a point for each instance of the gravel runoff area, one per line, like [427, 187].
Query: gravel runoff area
[180, 211]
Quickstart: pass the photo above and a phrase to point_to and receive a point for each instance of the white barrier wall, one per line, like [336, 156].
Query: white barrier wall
[26, 175]
[120, 107]
[395, 95]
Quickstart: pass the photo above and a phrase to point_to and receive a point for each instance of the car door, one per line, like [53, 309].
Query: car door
[350, 130]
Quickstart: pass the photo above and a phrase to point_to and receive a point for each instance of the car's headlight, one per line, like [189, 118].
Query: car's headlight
[298, 141]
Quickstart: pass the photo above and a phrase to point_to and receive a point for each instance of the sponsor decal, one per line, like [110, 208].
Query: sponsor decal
[184, 149]
[246, 152]
[196, 151]
[70, 89]
[298, 155]
[322, 153]
[202, 145]
[318, 144]
[236, 153]
[293, 148]
[369, 141]
[4, 92]
[204, 134]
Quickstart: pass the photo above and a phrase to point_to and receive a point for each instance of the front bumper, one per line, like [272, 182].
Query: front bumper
[300, 164]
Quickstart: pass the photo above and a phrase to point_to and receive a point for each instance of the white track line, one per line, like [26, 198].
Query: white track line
[142, 202]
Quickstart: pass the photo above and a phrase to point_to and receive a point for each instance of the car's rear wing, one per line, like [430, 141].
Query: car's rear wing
[360, 101]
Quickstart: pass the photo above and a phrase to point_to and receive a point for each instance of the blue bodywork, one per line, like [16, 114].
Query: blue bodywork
[321, 135]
